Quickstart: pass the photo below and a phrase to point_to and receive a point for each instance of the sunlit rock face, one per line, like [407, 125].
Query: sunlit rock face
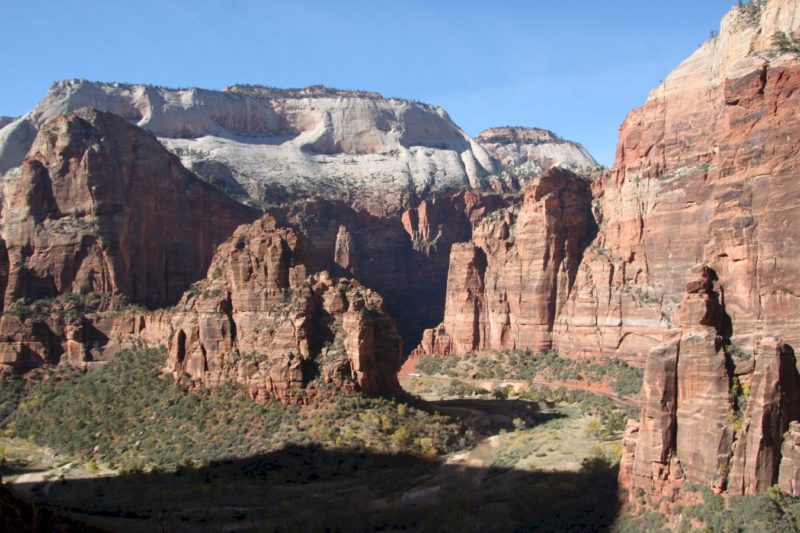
[706, 172]
[100, 206]
[272, 145]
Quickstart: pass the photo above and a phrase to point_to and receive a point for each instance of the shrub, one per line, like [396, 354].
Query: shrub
[128, 415]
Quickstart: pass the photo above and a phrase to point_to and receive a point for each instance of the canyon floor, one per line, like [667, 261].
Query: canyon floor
[515, 471]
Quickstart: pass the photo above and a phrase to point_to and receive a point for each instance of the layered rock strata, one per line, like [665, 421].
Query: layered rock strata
[694, 425]
[101, 206]
[704, 172]
[273, 145]
[270, 146]
[506, 286]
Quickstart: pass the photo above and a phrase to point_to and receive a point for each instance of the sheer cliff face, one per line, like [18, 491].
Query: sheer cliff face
[705, 172]
[273, 145]
[506, 287]
[100, 206]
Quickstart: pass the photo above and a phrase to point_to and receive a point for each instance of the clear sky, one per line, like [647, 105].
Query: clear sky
[574, 66]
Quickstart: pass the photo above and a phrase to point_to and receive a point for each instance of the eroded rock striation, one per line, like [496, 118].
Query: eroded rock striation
[100, 206]
[694, 426]
[507, 285]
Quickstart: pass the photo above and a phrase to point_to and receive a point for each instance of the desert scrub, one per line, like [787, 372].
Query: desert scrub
[131, 417]
[766, 511]
[71, 305]
[524, 365]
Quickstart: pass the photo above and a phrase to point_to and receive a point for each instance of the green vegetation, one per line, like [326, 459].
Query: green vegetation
[71, 305]
[737, 353]
[523, 365]
[129, 416]
[786, 42]
[751, 11]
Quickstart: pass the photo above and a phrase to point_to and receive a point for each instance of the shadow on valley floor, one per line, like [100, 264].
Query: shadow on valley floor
[312, 489]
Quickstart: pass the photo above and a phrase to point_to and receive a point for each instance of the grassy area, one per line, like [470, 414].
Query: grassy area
[129, 416]
[524, 365]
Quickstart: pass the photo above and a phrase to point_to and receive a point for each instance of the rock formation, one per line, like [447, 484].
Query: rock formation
[508, 284]
[789, 474]
[271, 146]
[527, 152]
[259, 320]
[693, 425]
[101, 206]
[275, 145]
[704, 172]
[404, 258]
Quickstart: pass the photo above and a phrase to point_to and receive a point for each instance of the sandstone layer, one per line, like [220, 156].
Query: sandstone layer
[507, 285]
[698, 422]
[704, 172]
[527, 152]
[101, 206]
[269, 146]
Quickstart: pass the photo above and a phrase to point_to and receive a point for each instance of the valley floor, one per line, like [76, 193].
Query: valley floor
[517, 472]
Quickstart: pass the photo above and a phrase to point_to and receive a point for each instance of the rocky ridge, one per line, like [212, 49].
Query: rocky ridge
[527, 152]
[268, 145]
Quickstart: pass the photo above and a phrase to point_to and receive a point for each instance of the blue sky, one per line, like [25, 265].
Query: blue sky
[574, 66]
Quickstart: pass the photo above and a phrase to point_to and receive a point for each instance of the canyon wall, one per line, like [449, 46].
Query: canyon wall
[100, 206]
[707, 417]
[704, 173]
[507, 285]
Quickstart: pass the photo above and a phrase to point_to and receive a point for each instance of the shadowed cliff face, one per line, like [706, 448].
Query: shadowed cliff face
[101, 206]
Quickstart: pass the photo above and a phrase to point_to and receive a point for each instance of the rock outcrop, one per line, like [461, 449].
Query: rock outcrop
[101, 206]
[694, 425]
[259, 320]
[705, 172]
[508, 284]
[527, 152]
[789, 473]
[271, 145]
[404, 258]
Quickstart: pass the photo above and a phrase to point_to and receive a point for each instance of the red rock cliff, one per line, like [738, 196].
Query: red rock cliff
[705, 172]
[506, 286]
[101, 206]
[259, 320]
